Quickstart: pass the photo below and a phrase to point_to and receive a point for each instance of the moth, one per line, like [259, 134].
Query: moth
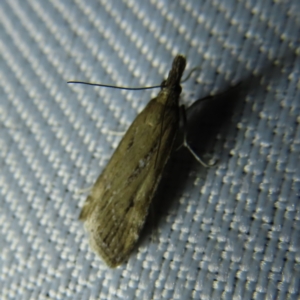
[115, 211]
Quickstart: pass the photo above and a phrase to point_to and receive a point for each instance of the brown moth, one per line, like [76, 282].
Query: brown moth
[115, 211]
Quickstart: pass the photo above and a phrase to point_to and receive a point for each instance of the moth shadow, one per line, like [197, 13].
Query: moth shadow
[208, 121]
[205, 119]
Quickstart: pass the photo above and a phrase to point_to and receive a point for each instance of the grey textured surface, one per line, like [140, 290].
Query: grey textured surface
[229, 232]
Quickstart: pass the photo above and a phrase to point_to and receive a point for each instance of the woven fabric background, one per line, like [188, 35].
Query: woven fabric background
[227, 232]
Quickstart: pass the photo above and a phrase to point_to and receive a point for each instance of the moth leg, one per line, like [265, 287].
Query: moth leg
[84, 190]
[185, 143]
[117, 133]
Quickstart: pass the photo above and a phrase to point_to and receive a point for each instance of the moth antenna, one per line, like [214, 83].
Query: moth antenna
[118, 87]
[190, 74]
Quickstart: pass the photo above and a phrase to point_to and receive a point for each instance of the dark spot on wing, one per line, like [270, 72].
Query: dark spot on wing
[131, 203]
[130, 143]
[138, 169]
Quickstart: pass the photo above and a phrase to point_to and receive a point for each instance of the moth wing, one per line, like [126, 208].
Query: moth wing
[115, 211]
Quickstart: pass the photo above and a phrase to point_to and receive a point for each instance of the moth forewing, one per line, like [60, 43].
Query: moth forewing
[115, 211]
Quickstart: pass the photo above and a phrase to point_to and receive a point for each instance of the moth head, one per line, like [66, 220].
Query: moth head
[178, 66]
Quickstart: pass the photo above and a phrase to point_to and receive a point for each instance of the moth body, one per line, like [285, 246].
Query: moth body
[115, 211]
